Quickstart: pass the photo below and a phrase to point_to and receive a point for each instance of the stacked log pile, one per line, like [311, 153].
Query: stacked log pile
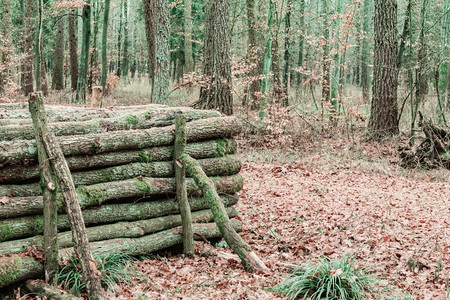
[122, 165]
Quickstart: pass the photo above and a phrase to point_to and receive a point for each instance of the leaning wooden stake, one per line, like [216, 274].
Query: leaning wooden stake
[91, 275]
[249, 259]
[37, 110]
[180, 178]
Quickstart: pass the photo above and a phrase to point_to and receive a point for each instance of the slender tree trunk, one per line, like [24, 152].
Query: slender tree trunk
[365, 81]
[405, 34]
[84, 57]
[150, 33]
[125, 58]
[160, 87]
[267, 63]
[58, 71]
[287, 54]
[6, 44]
[104, 45]
[188, 58]
[383, 115]
[254, 54]
[73, 45]
[301, 44]
[93, 68]
[27, 84]
[119, 40]
[421, 81]
[207, 91]
[326, 53]
[443, 65]
[37, 45]
[335, 97]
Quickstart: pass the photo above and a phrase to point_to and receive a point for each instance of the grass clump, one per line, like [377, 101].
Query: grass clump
[328, 279]
[114, 269]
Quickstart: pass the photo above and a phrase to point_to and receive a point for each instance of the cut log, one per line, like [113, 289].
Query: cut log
[42, 289]
[215, 148]
[132, 229]
[124, 140]
[222, 166]
[21, 227]
[134, 120]
[97, 194]
[249, 259]
[17, 268]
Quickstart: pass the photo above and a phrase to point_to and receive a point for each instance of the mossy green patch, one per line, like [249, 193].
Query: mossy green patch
[131, 119]
[143, 186]
[90, 196]
[144, 157]
[9, 273]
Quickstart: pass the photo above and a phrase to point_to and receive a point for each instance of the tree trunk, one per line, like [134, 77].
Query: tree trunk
[18, 268]
[58, 56]
[443, 65]
[188, 58]
[254, 54]
[99, 193]
[37, 46]
[27, 83]
[73, 42]
[6, 44]
[223, 98]
[287, 54]
[84, 55]
[365, 80]
[48, 189]
[105, 44]
[215, 148]
[267, 63]
[301, 44]
[383, 114]
[160, 87]
[91, 275]
[207, 91]
[93, 76]
[123, 140]
[249, 259]
[334, 93]
[149, 17]
[39, 288]
[125, 59]
[326, 54]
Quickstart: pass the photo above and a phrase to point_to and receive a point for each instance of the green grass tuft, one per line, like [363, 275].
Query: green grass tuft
[114, 269]
[328, 279]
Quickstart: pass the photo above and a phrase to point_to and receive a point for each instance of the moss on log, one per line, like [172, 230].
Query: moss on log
[40, 288]
[206, 149]
[132, 120]
[21, 227]
[18, 268]
[124, 140]
[130, 229]
[97, 194]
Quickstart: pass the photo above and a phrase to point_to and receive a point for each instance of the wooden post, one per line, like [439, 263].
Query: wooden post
[249, 259]
[97, 96]
[51, 265]
[91, 275]
[180, 178]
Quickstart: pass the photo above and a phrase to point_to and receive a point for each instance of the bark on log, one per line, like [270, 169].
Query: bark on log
[18, 268]
[97, 194]
[131, 229]
[50, 206]
[133, 120]
[91, 275]
[222, 166]
[206, 149]
[21, 227]
[181, 191]
[124, 140]
[42, 289]
[249, 259]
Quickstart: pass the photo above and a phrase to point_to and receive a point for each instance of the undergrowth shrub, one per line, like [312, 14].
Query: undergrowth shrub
[328, 279]
[114, 269]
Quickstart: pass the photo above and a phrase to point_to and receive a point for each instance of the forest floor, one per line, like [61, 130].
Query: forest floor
[315, 196]
[299, 206]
